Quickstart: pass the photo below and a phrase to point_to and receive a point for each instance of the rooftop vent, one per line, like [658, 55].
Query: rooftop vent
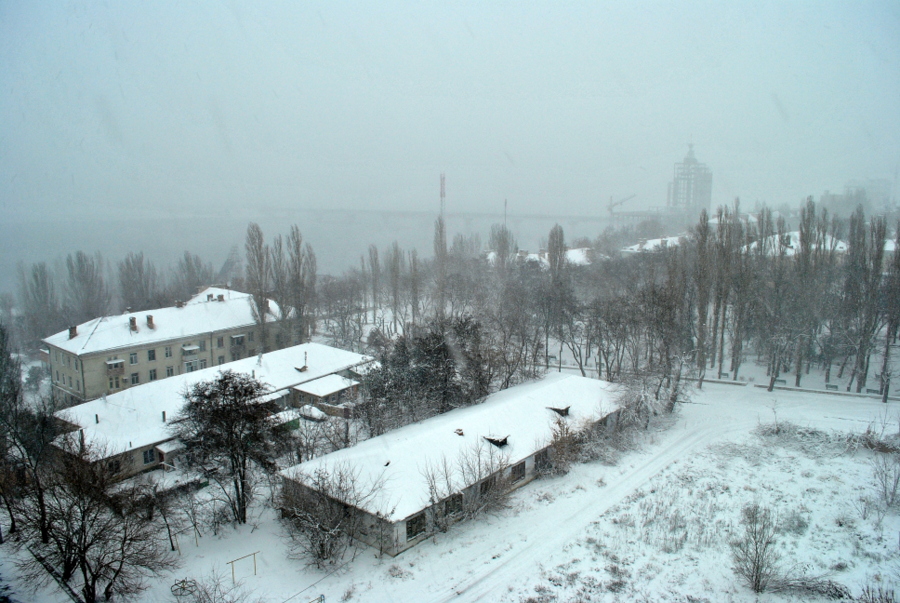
[73, 331]
[498, 442]
[563, 412]
[132, 322]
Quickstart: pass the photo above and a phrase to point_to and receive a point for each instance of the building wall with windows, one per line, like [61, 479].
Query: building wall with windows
[110, 354]
[425, 476]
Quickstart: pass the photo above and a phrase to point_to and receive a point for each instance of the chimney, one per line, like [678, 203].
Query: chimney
[96, 418]
[132, 322]
[209, 297]
[150, 321]
[221, 297]
[179, 303]
[164, 416]
[73, 331]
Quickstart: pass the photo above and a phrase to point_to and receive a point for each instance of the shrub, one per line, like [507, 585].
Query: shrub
[754, 555]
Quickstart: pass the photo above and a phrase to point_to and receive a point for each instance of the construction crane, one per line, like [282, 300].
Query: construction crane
[613, 205]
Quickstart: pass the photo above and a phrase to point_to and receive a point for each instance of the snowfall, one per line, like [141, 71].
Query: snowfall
[651, 522]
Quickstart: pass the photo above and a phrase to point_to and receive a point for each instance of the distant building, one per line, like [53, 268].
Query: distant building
[691, 190]
[111, 353]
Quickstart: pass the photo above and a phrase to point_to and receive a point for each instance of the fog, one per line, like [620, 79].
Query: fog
[134, 125]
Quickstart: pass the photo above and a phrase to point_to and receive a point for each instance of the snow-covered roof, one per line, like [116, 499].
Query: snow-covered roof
[133, 418]
[198, 316]
[326, 385]
[660, 244]
[576, 257]
[792, 244]
[522, 414]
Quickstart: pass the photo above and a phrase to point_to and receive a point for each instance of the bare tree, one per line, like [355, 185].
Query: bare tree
[259, 276]
[191, 275]
[39, 303]
[94, 532]
[139, 287]
[87, 295]
[754, 554]
[323, 513]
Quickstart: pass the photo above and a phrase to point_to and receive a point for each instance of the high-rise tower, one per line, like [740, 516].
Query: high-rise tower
[691, 190]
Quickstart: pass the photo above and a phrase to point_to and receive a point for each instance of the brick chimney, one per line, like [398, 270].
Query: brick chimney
[221, 297]
[73, 331]
[132, 322]
[179, 303]
[150, 321]
[209, 297]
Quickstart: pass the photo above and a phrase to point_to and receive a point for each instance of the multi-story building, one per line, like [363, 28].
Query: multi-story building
[108, 354]
[691, 189]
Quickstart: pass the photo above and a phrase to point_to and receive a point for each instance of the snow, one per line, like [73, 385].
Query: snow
[578, 257]
[326, 385]
[792, 246]
[560, 535]
[660, 244]
[133, 418]
[197, 318]
[398, 458]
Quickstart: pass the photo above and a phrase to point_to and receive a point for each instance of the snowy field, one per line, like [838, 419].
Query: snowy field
[654, 526]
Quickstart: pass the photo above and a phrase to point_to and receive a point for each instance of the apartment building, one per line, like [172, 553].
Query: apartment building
[113, 353]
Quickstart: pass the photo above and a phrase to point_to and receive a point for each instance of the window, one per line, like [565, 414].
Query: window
[453, 504]
[191, 366]
[487, 485]
[237, 340]
[135, 378]
[203, 363]
[170, 370]
[70, 380]
[132, 358]
[252, 336]
[114, 383]
[202, 345]
[168, 351]
[415, 525]
[114, 466]
[149, 456]
[151, 355]
[76, 364]
[235, 356]
[221, 360]
[220, 342]
[517, 473]
[78, 385]
[542, 461]
[152, 374]
[57, 375]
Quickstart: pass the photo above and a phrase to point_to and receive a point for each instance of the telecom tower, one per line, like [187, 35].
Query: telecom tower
[691, 190]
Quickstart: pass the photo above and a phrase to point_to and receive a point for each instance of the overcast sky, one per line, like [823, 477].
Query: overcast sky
[116, 108]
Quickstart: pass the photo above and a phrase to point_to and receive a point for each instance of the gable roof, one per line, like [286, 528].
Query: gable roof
[522, 414]
[199, 316]
[132, 419]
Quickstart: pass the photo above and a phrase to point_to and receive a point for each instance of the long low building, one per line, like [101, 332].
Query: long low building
[416, 479]
[132, 428]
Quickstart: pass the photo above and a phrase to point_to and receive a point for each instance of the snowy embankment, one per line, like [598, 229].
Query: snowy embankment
[652, 527]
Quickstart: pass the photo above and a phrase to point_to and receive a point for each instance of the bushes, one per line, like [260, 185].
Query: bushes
[754, 555]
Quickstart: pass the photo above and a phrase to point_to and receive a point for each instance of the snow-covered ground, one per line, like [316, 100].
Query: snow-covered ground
[654, 526]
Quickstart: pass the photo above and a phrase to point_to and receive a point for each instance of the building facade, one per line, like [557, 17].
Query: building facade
[113, 353]
[691, 189]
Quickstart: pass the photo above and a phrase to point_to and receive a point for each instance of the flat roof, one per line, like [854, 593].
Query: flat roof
[132, 418]
[326, 385]
[523, 414]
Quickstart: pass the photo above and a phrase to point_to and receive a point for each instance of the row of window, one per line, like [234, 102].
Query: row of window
[69, 361]
[135, 378]
[62, 379]
[220, 343]
[453, 505]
